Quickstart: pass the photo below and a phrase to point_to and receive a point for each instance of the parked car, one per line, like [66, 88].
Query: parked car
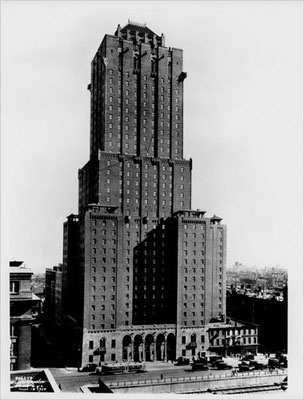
[221, 365]
[248, 357]
[273, 363]
[182, 361]
[245, 367]
[213, 359]
[200, 365]
[91, 367]
[257, 365]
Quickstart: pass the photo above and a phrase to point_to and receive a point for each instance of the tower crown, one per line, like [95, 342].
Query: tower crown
[139, 32]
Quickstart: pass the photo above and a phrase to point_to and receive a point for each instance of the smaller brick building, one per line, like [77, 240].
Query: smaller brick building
[232, 337]
[22, 305]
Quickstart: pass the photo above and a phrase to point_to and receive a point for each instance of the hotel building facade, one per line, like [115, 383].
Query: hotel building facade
[143, 274]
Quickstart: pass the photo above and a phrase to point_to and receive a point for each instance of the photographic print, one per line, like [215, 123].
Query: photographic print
[152, 198]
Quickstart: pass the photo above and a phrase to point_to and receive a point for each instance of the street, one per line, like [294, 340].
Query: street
[71, 381]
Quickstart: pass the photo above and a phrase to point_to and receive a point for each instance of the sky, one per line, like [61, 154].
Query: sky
[243, 101]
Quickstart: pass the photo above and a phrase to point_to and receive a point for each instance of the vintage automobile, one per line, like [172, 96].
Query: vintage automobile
[182, 361]
[248, 357]
[273, 363]
[200, 364]
[91, 367]
[221, 365]
[245, 367]
[257, 365]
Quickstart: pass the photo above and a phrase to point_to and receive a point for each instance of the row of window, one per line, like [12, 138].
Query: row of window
[193, 287]
[145, 287]
[193, 296]
[194, 252]
[103, 317]
[154, 202]
[102, 343]
[104, 250]
[194, 270]
[146, 166]
[102, 326]
[105, 222]
[145, 193]
[193, 279]
[194, 226]
[193, 314]
[194, 235]
[145, 77]
[243, 340]
[193, 339]
[103, 279]
[194, 323]
[127, 137]
[193, 261]
[104, 232]
[105, 241]
[193, 305]
[104, 260]
[102, 297]
[163, 194]
[103, 307]
[145, 96]
[145, 175]
[151, 296]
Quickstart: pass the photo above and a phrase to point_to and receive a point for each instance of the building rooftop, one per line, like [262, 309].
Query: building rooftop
[216, 218]
[15, 263]
[135, 26]
[19, 267]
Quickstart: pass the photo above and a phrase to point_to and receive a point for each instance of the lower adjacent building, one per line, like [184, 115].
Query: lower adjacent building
[23, 305]
[232, 337]
[53, 295]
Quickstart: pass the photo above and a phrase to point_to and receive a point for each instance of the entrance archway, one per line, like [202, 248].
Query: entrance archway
[138, 348]
[160, 347]
[126, 348]
[171, 347]
[149, 347]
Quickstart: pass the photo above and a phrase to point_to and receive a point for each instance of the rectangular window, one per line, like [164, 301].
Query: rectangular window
[14, 287]
[113, 345]
[91, 344]
[183, 339]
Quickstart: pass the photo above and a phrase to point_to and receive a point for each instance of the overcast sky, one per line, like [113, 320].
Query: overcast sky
[242, 118]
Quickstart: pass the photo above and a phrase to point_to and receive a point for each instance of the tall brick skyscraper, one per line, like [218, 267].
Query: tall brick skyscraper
[150, 273]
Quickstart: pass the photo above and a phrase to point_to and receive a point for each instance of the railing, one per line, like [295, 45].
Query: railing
[195, 378]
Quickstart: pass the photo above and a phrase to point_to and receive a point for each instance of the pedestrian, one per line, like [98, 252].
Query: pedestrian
[161, 376]
[59, 386]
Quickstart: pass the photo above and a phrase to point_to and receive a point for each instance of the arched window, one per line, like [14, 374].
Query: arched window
[193, 338]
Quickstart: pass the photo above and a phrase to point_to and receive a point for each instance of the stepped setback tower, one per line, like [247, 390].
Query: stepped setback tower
[143, 274]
